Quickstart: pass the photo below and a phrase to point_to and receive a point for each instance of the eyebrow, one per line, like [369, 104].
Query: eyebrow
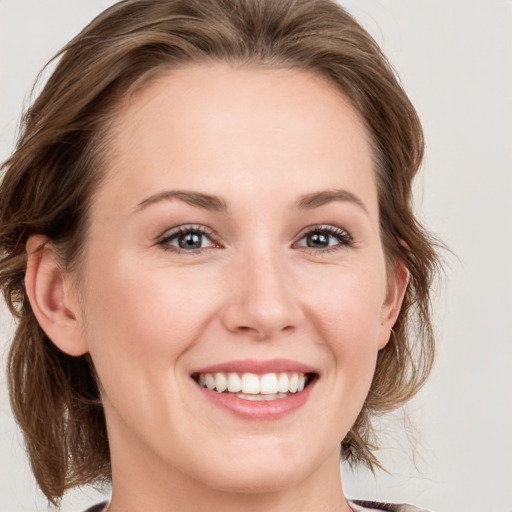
[197, 199]
[215, 203]
[317, 199]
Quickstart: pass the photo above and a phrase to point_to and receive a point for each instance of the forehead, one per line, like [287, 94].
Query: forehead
[225, 129]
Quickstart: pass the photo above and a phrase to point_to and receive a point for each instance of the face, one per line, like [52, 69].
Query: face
[235, 242]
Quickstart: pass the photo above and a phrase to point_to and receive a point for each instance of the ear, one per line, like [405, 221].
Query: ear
[397, 286]
[53, 297]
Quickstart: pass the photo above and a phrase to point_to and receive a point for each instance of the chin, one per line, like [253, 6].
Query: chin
[257, 480]
[259, 471]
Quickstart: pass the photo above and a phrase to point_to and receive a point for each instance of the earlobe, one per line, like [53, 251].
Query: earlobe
[397, 286]
[53, 297]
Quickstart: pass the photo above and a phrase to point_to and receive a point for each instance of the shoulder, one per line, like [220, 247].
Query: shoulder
[372, 506]
[357, 506]
[100, 507]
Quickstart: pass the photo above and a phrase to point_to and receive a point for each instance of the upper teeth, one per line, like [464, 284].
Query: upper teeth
[253, 384]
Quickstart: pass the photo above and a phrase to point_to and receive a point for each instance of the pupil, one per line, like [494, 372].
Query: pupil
[318, 240]
[190, 241]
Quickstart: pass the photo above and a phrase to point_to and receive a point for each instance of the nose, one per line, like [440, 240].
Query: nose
[263, 300]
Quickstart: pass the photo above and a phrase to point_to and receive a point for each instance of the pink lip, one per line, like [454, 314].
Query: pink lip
[258, 366]
[257, 410]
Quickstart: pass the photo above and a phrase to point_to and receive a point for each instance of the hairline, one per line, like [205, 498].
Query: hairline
[104, 150]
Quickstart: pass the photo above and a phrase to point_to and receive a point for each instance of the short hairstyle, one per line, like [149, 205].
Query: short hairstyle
[60, 159]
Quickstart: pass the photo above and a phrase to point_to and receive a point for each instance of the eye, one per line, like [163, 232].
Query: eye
[187, 239]
[324, 238]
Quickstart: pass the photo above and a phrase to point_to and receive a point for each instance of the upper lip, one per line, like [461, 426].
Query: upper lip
[257, 366]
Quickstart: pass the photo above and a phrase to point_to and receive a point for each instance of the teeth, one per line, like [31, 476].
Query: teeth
[210, 381]
[250, 384]
[259, 398]
[221, 382]
[283, 384]
[268, 384]
[302, 383]
[234, 383]
[260, 387]
[294, 383]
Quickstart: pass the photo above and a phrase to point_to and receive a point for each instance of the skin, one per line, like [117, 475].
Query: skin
[150, 313]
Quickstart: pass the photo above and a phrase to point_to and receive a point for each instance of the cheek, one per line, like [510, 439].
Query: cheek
[138, 321]
[350, 302]
[347, 313]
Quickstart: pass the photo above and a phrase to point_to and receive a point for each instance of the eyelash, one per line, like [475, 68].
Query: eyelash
[202, 231]
[343, 237]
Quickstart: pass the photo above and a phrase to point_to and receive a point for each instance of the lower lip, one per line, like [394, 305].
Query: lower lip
[258, 409]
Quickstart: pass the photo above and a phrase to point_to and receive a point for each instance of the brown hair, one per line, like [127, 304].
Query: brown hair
[58, 163]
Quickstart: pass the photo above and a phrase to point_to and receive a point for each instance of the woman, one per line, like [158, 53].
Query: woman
[207, 238]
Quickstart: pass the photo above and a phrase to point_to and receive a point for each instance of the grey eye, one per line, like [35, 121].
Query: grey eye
[325, 237]
[320, 240]
[190, 240]
[187, 239]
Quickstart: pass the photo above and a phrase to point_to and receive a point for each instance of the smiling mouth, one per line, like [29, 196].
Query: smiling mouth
[256, 387]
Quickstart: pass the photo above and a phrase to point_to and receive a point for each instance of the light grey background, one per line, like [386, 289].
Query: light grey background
[455, 59]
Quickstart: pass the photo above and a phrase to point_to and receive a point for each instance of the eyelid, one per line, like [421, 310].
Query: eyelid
[175, 231]
[346, 239]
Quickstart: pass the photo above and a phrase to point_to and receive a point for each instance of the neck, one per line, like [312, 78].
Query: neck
[149, 485]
